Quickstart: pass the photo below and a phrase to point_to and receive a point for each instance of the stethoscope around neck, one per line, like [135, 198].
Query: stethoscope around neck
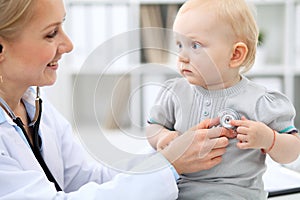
[34, 124]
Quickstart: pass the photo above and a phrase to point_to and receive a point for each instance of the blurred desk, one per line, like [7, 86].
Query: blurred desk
[281, 183]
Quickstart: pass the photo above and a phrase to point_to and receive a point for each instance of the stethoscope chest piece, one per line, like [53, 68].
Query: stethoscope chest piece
[226, 115]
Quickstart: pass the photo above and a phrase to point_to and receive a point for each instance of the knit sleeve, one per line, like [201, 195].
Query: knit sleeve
[277, 111]
[162, 112]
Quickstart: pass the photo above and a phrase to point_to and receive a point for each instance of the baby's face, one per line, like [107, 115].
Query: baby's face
[205, 47]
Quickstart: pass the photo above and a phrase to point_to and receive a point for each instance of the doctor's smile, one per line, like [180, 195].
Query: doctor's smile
[53, 65]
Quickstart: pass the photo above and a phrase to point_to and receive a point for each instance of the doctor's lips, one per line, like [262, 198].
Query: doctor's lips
[53, 64]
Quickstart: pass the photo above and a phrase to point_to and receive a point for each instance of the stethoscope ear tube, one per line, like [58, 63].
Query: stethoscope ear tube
[38, 107]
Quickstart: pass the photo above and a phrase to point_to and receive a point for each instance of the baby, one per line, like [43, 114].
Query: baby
[216, 42]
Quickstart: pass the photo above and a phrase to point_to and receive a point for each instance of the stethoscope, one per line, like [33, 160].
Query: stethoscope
[34, 124]
[226, 115]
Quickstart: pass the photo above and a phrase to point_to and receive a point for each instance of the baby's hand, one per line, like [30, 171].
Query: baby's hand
[165, 139]
[252, 134]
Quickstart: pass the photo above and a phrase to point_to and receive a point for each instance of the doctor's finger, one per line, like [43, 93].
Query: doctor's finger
[221, 142]
[216, 132]
[208, 123]
[216, 153]
[210, 163]
[212, 159]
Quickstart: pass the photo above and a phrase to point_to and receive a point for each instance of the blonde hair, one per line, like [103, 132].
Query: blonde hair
[239, 16]
[14, 15]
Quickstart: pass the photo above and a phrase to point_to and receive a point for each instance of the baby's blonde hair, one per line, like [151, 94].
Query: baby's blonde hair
[239, 16]
[14, 15]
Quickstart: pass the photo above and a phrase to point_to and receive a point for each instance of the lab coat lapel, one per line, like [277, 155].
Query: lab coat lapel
[20, 150]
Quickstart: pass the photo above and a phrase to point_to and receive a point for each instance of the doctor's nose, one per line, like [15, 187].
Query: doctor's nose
[66, 45]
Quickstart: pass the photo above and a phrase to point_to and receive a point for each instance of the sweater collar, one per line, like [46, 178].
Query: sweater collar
[235, 89]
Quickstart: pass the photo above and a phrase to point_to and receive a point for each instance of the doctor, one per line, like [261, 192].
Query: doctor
[39, 158]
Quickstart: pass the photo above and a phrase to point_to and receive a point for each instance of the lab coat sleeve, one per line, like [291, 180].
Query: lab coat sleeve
[19, 184]
[159, 185]
[153, 179]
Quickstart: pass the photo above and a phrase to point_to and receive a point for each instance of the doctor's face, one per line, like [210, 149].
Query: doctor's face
[204, 48]
[32, 57]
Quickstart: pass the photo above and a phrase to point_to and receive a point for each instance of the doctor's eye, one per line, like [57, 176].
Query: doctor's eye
[52, 34]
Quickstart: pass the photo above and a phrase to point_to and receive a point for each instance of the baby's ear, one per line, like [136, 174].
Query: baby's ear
[239, 53]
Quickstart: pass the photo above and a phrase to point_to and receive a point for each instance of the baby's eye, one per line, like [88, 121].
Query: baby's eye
[178, 46]
[196, 45]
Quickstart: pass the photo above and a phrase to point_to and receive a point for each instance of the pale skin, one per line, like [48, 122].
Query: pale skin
[206, 44]
[257, 135]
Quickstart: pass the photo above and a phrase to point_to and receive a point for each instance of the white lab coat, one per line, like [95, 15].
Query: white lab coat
[21, 176]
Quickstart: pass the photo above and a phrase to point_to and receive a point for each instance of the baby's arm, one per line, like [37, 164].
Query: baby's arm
[282, 147]
[159, 137]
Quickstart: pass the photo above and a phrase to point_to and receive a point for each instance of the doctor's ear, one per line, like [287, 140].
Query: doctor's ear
[1, 45]
[1, 53]
[239, 53]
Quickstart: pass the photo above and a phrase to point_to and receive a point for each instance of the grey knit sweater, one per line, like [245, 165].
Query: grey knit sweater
[180, 105]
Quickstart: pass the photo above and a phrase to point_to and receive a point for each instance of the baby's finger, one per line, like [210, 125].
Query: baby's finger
[242, 130]
[242, 138]
[244, 118]
[242, 145]
[242, 122]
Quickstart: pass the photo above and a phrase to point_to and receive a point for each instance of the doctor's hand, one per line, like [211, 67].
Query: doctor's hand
[165, 139]
[200, 148]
